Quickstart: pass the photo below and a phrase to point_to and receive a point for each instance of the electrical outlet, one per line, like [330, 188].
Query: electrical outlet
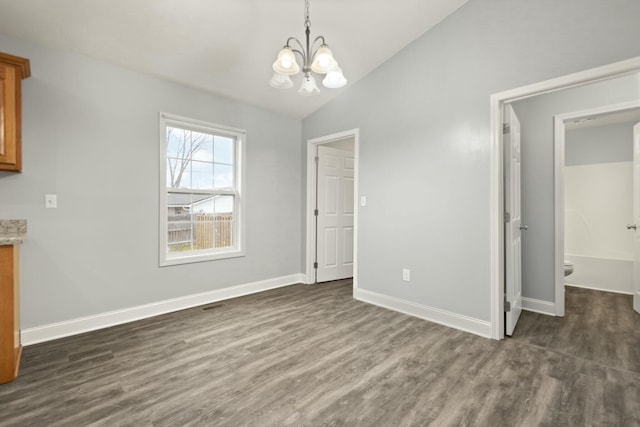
[363, 201]
[50, 201]
[406, 275]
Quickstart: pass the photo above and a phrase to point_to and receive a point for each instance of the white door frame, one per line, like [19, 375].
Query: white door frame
[558, 184]
[311, 195]
[496, 208]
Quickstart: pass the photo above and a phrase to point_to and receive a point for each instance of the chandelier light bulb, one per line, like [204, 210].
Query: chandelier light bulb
[286, 63]
[309, 86]
[334, 79]
[280, 81]
[323, 61]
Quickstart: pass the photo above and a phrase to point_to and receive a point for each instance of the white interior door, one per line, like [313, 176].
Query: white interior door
[636, 217]
[513, 220]
[334, 238]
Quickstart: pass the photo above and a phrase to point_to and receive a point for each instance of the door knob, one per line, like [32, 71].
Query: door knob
[524, 227]
[630, 226]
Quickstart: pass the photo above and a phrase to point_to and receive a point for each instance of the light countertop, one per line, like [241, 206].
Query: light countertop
[12, 231]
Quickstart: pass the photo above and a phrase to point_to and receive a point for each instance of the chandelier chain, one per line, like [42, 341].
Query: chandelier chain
[307, 21]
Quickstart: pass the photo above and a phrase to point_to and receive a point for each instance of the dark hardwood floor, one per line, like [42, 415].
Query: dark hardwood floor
[599, 327]
[312, 356]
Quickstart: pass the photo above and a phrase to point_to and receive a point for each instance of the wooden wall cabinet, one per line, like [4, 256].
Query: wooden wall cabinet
[10, 346]
[12, 70]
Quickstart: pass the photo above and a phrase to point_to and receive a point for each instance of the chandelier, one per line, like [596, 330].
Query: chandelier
[319, 61]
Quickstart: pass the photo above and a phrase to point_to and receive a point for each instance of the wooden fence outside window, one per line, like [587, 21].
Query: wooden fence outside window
[199, 231]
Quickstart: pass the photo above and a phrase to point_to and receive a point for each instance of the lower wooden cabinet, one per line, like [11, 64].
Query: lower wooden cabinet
[10, 346]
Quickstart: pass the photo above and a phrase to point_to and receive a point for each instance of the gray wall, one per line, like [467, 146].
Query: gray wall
[90, 135]
[600, 144]
[536, 117]
[424, 136]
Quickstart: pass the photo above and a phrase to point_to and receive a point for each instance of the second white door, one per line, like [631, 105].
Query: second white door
[636, 217]
[513, 220]
[334, 237]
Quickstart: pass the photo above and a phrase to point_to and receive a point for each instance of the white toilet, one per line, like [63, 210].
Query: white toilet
[568, 268]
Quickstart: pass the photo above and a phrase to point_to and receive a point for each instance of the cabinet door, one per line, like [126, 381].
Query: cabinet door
[10, 348]
[9, 116]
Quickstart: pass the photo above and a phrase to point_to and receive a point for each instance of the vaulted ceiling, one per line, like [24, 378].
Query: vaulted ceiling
[225, 47]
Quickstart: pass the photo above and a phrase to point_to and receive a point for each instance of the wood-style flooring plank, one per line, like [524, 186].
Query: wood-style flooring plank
[313, 356]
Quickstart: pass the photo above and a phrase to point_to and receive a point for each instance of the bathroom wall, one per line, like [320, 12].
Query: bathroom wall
[600, 144]
[598, 205]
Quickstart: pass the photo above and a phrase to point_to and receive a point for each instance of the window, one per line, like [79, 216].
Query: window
[200, 191]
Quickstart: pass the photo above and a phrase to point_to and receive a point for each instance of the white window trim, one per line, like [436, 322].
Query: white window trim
[240, 135]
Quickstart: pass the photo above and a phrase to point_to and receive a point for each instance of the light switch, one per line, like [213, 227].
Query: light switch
[406, 275]
[363, 200]
[50, 201]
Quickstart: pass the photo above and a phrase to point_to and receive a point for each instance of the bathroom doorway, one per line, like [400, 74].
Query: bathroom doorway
[597, 185]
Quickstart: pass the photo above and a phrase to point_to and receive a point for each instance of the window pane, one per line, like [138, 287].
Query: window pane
[178, 143]
[223, 204]
[202, 203]
[199, 221]
[204, 229]
[201, 175]
[224, 150]
[202, 146]
[178, 173]
[223, 176]
[224, 221]
[179, 224]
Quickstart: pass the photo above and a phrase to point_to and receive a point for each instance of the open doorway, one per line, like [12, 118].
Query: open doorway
[597, 193]
[331, 219]
[497, 197]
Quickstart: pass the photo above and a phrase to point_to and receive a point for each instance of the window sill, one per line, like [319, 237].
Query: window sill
[189, 259]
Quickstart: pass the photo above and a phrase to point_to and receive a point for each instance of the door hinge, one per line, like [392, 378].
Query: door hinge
[315, 212]
[507, 305]
[316, 159]
[315, 265]
[507, 217]
[506, 128]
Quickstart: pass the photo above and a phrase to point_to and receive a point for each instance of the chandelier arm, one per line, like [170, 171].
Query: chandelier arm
[300, 52]
[315, 49]
[290, 39]
[324, 43]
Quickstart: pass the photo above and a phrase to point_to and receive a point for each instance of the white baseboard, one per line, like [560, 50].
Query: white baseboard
[104, 320]
[539, 306]
[595, 288]
[436, 315]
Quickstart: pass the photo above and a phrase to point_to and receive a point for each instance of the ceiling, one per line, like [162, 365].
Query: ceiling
[225, 47]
